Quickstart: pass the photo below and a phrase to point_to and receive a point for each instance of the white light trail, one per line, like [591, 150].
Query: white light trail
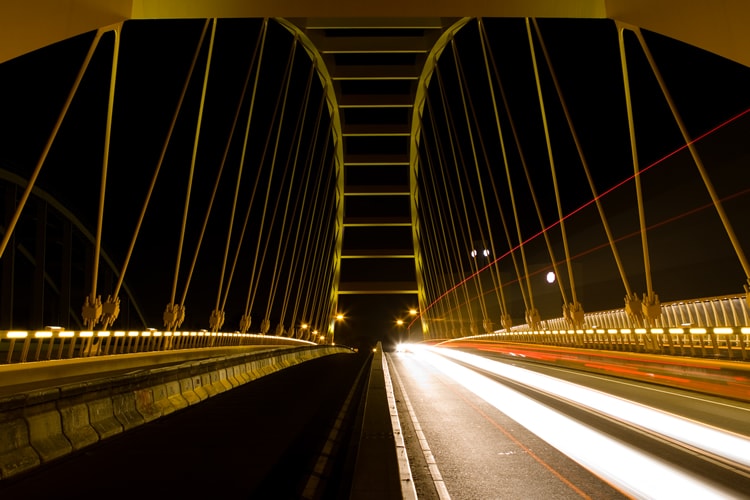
[636, 473]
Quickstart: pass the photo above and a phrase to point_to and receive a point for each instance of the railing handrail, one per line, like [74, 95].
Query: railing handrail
[724, 342]
[719, 311]
[58, 343]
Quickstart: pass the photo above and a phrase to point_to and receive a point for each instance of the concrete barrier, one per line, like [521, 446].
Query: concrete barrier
[75, 424]
[217, 384]
[45, 425]
[74, 412]
[161, 400]
[16, 453]
[202, 386]
[144, 403]
[233, 376]
[41, 426]
[124, 410]
[102, 416]
[176, 399]
[188, 392]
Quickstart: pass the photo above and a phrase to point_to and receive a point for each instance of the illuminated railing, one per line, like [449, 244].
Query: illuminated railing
[18, 346]
[729, 310]
[713, 342]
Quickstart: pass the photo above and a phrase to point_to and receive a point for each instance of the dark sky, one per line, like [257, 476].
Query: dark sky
[154, 60]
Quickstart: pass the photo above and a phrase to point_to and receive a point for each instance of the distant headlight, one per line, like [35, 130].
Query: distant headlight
[403, 348]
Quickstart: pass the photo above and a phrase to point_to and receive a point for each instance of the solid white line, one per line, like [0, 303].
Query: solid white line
[437, 478]
[408, 490]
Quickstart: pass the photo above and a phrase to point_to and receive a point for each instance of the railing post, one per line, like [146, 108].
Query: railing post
[714, 342]
[71, 349]
[60, 348]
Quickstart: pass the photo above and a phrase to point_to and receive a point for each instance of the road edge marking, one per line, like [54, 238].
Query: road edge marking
[437, 478]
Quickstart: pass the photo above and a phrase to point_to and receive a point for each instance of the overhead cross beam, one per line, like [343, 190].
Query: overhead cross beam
[27, 25]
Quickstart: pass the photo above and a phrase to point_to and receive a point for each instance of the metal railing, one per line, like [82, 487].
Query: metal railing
[731, 343]
[18, 346]
[727, 310]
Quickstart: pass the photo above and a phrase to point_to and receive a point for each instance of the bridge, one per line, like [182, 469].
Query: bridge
[200, 195]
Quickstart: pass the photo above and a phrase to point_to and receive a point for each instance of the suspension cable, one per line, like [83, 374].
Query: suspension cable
[573, 311]
[92, 307]
[325, 269]
[432, 245]
[461, 77]
[265, 325]
[243, 157]
[283, 242]
[252, 283]
[535, 201]
[532, 315]
[485, 49]
[48, 145]
[192, 164]
[697, 159]
[217, 315]
[444, 263]
[309, 215]
[494, 269]
[160, 162]
[441, 248]
[174, 314]
[456, 224]
[311, 272]
[458, 159]
[298, 132]
[307, 275]
[650, 298]
[434, 189]
[584, 163]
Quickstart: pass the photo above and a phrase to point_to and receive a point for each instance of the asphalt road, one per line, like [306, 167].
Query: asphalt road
[479, 451]
[260, 440]
[461, 446]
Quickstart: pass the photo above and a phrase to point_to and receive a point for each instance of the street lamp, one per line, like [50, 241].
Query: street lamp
[476, 271]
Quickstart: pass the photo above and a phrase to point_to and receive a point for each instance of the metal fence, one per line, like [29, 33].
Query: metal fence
[54, 344]
[728, 310]
[715, 327]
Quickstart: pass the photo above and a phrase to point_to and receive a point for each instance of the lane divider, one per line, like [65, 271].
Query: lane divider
[408, 489]
[437, 478]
